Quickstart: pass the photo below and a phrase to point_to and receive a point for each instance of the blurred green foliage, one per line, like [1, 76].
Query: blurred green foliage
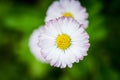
[18, 18]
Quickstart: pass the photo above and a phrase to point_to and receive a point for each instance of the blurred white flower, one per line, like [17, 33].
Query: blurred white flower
[63, 42]
[68, 8]
[33, 44]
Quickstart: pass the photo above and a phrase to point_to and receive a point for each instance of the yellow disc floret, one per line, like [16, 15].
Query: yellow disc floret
[68, 14]
[63, 41]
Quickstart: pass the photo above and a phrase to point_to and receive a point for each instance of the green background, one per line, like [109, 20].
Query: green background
[18, 18]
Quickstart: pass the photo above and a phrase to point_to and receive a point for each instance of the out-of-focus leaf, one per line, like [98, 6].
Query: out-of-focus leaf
[24, 22]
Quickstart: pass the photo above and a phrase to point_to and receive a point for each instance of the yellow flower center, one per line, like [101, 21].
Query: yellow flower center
[63, 41]
[68, 14]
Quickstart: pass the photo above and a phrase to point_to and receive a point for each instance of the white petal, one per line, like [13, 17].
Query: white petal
[33, 44]
[55, 57]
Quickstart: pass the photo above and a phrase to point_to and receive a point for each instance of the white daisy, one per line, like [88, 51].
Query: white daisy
[68, 8]
[63, 42]
[33, 44]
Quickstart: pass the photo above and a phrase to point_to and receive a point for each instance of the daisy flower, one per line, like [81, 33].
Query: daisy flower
[33, 44]
[63, 42]
[68, 8]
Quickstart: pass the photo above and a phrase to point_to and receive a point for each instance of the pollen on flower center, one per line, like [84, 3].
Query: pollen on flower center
[68, 14]
[63, 41]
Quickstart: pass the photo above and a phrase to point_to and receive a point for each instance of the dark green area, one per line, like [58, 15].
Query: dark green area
[18, 18]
